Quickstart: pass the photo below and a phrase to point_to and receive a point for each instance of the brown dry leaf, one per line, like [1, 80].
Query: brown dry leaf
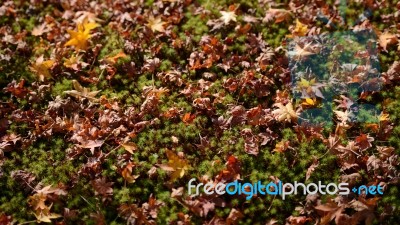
[177, 192]
[102, 187]
[387, 39]
[330, 211]
[188, 118]
[130, 147]
[385, 152]
[298, 220]
[127, 173]
[364, 141]
[90, 144]
[234, 217]
[279, 15]
[311, 169]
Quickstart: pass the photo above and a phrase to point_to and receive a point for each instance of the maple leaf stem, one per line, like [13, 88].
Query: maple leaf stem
[270, 205]
[112, 150]
[90, 204]
[27, 222]
[180, 202]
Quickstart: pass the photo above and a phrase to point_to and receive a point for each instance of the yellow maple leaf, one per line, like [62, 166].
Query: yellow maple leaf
[281, 146]
[305, 83]
[79, 39]
[300, 29]
[309, 102]
[45, 215]
[41, 68]
[175, 164]
[156, 24]
[383, 117]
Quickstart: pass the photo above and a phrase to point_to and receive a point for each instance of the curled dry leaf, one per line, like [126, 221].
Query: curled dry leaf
[386, 39]
[130, 147]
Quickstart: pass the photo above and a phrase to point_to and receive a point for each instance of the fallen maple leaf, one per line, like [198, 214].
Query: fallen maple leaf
[127, 173]
[74, 63]
[79, 39]
[284, 112]
[175, 164]
[234, 216]
[387, 38]
[39, 30]
[227, 17]
[45, 216]
[330, 211]
[82, 92]
[156, 24]
[281, 146]
[299, 52]
[130, 147]
[41, 67]
[114, 59]
[279, 15]
[344, 117]
[299, 30]
[91, 144]
[102, 187]
[188, 118]
[309, 102]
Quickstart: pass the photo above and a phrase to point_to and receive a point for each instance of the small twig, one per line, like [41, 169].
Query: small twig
[90, 204]
[269, 208]
[105, 156]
